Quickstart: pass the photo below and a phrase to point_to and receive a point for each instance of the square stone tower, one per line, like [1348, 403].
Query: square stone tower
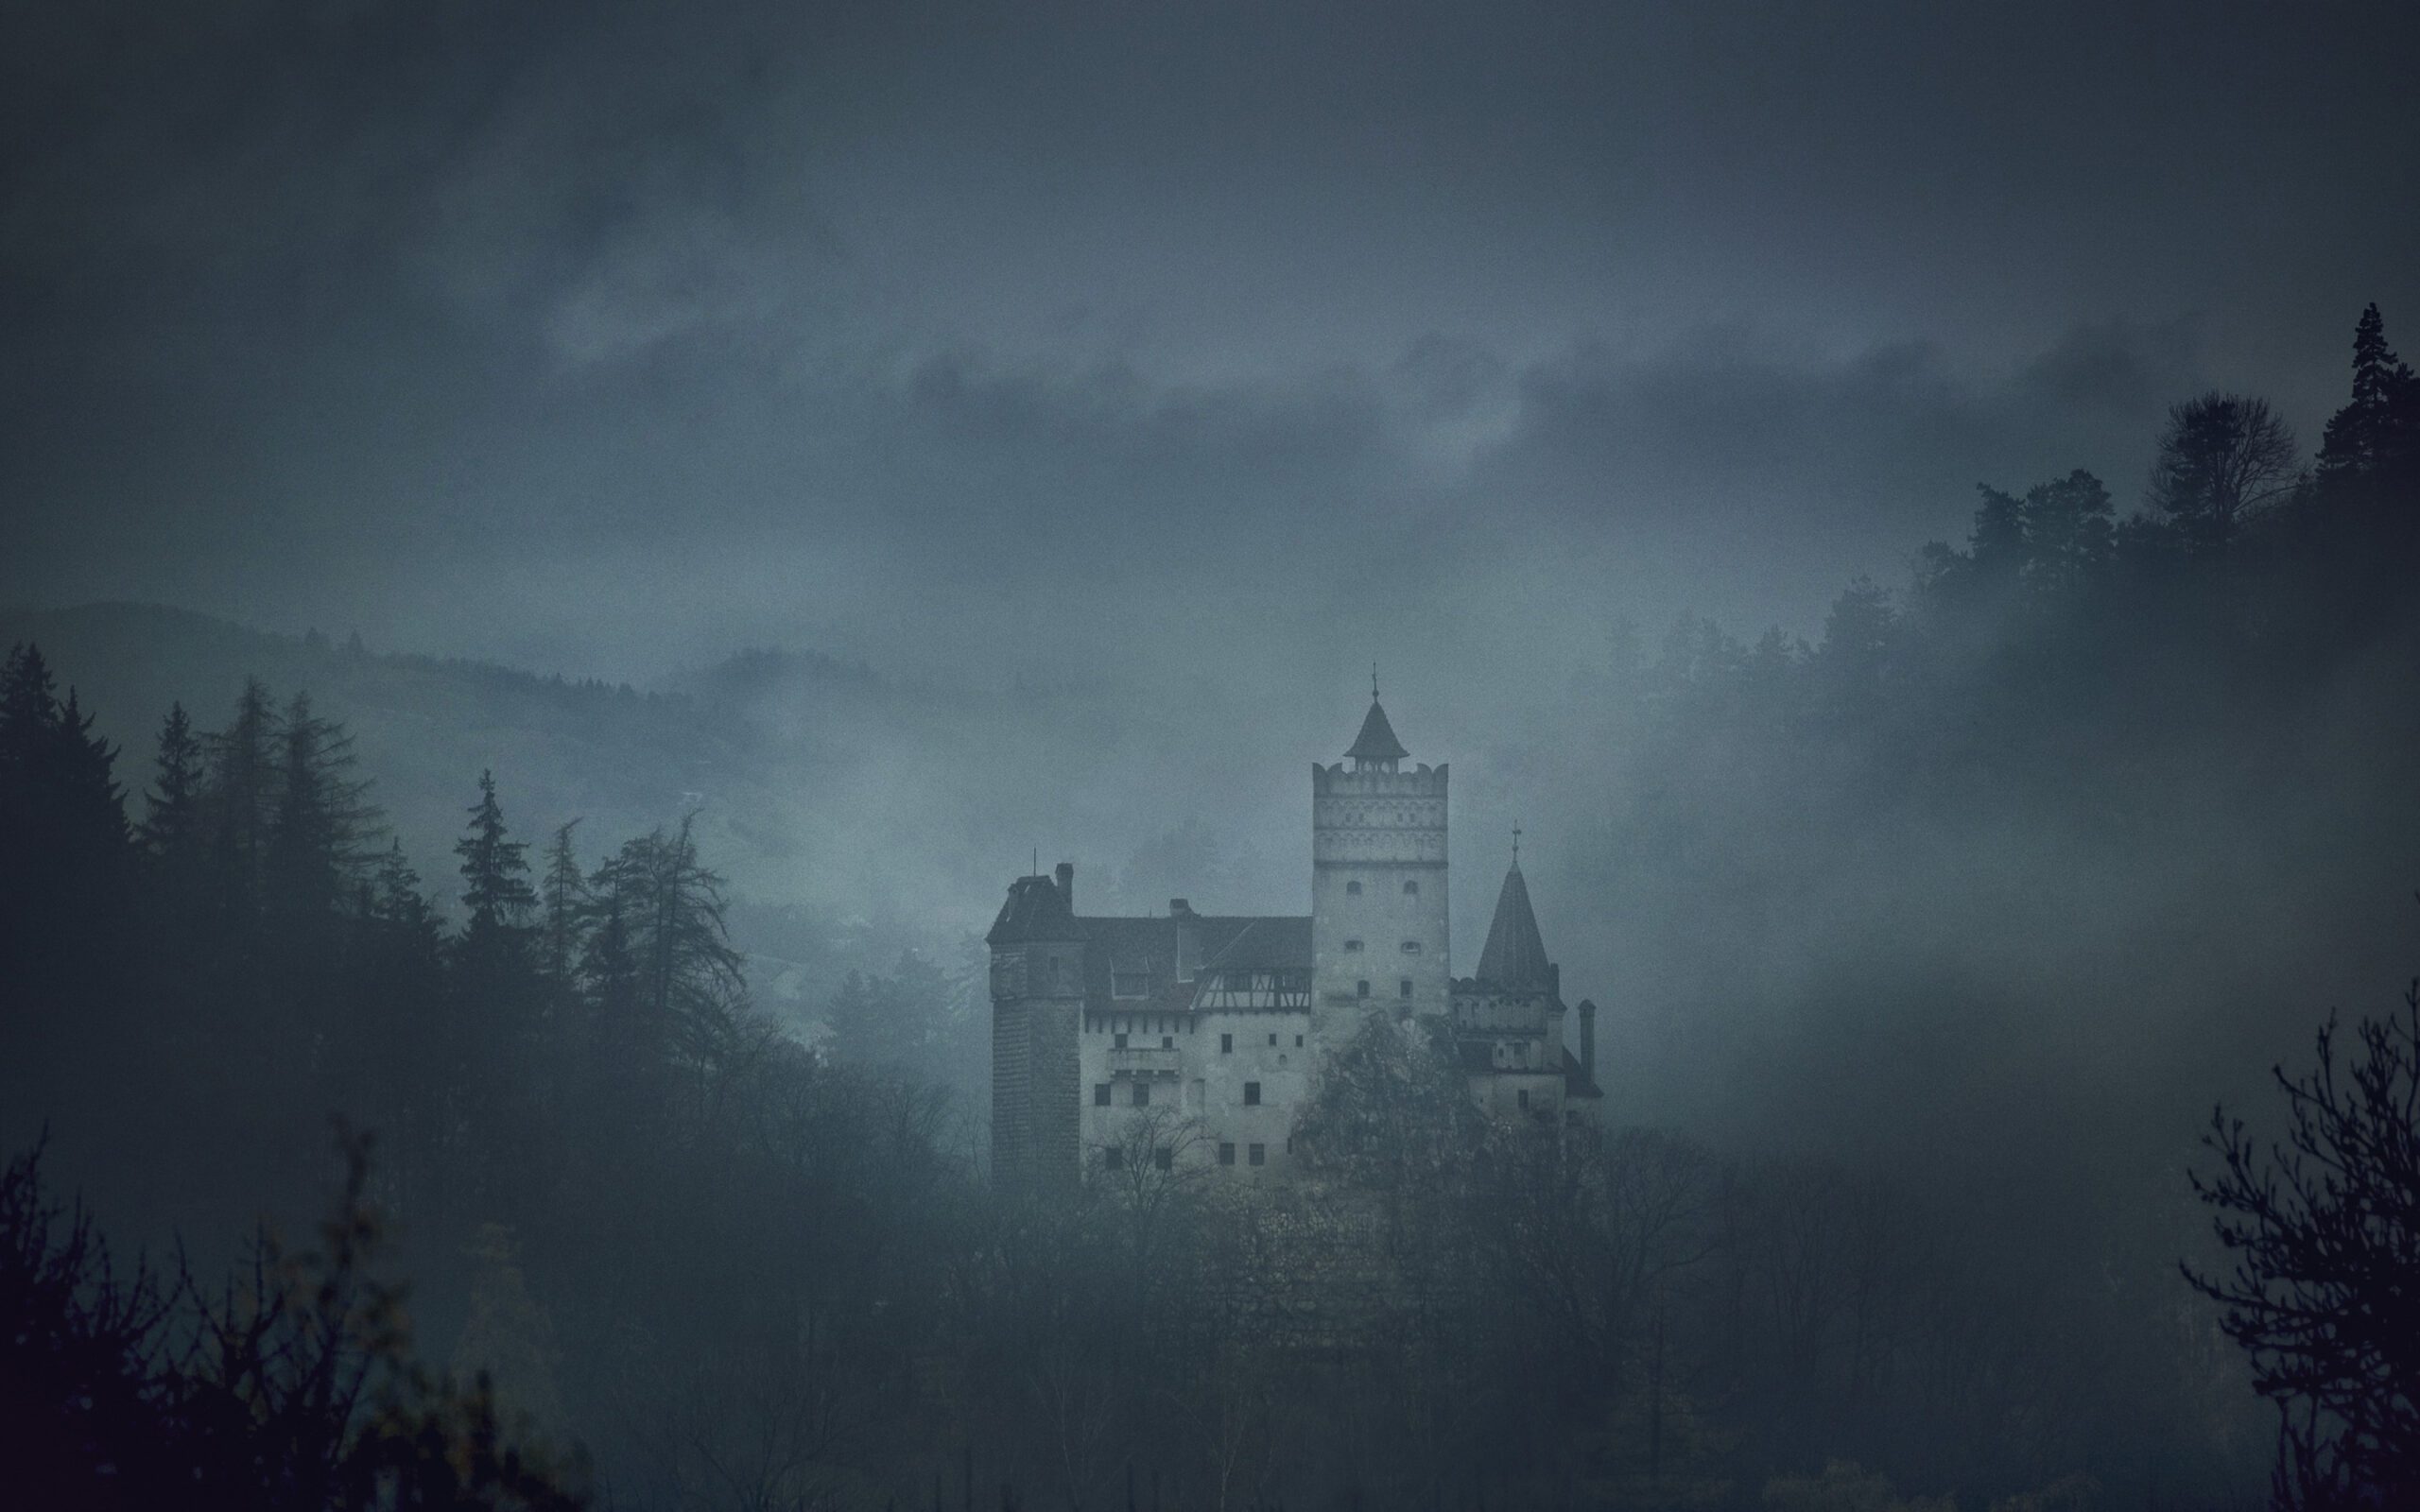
[1037, 1004]
[1379, 899]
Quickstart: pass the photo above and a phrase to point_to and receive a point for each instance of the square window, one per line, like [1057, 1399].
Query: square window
[1114, 1158]
[1119, 1043]
[1298, 1041]
[1142, 1094]
[1252, 1094]
[1353, 890]
[1164, 1157]
[1411, 947]
[1100, 1094]
[1404, 988]
[1259, 1155]
[1361, 989]
[1272, 1038]
[1226, 1154]
[1352, 945]
[1168, 1041]
[1524, 1097]
[1411, 890]
[1226, 1044]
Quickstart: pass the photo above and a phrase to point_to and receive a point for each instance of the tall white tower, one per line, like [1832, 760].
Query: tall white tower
[1378, 903]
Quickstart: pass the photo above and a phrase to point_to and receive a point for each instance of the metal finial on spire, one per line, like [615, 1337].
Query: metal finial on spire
[1516, 842]
[1374, 682]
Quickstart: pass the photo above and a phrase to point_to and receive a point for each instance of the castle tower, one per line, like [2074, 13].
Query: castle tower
[1037, 1007]
[1378, 901]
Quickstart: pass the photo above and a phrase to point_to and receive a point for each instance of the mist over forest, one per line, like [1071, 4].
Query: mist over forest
[577, 583]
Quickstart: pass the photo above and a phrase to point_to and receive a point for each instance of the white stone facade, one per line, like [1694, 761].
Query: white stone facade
[1194, 1039]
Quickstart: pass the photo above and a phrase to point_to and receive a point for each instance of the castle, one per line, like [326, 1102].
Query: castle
[1196, 1037]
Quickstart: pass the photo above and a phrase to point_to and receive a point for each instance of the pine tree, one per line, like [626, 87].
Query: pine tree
[2360, 435]
[65, 875]
[397, 1071]
[567, 905]
[624, 1064]
[172, 826]
[63, 815]
[91, 804]
[322, 819]
[496, 874]
[395, 897]
[242, 795]
[28, 711]
[498, 1002]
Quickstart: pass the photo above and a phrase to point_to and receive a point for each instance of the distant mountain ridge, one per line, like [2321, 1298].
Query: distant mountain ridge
[820, 787]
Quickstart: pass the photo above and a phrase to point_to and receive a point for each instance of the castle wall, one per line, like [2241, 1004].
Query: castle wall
[1197, 1089]
[1384, 832]
[1037, 1004]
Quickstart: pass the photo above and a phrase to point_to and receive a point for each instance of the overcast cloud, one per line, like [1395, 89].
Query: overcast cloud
[612, 337]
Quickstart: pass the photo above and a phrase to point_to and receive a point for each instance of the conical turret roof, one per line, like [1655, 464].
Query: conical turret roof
[1515, 958]
[1376, 742]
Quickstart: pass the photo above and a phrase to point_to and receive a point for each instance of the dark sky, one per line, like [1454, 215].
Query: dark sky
[1220, 341]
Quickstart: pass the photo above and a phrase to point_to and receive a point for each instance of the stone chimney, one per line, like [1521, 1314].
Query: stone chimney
[1067, 875]
[1188, 938]
[1588, 1038]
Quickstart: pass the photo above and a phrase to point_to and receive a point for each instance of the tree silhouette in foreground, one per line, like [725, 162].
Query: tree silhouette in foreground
[291, 1389]
[2325, 1294]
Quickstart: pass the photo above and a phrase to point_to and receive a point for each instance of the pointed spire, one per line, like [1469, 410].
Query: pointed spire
[1376, 742]
[1515, 958]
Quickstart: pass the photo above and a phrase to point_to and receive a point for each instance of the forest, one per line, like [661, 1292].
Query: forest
[482, 1179]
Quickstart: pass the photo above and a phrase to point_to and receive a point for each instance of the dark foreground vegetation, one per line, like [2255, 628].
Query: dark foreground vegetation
[735, 1272]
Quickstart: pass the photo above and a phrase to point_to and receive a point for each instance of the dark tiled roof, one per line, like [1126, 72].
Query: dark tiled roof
[1129, 941]
[1275, 943]
[1377, 741]
[1515, 957]
[1036, 909]
[1147, 946]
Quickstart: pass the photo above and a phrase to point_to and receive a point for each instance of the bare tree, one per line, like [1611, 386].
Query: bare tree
[1154, 1165]
[2324, 1293]
[2222, 459]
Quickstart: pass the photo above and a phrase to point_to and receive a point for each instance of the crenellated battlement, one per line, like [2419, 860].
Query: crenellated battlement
[1421, 779]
